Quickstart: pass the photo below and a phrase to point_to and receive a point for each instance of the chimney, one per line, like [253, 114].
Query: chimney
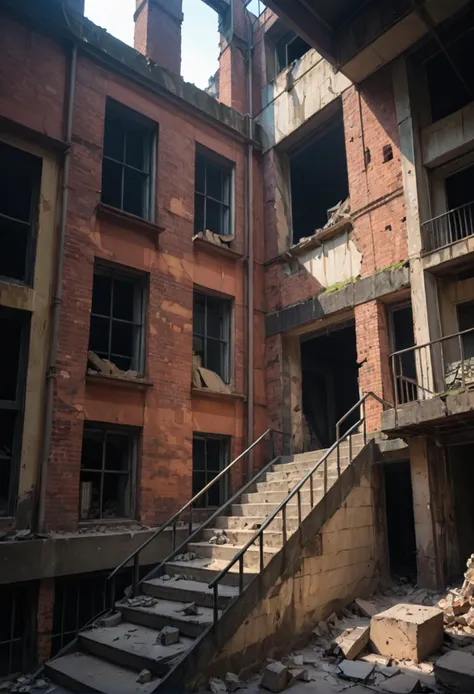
[158, 32]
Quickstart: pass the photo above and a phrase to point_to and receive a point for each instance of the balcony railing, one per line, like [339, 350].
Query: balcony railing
[448, 228]
[442, 366]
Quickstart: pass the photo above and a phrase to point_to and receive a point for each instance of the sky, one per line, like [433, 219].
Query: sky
[200, 48]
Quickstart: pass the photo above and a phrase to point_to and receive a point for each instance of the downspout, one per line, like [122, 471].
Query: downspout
[250, 257]
[57, 297]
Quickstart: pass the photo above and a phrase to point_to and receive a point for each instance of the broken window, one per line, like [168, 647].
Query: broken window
[465, 313]
[13, 351]
[117, 328]
[212, 197]
[15, 608]
[211, 333]
[107, 468]
[290, 48]
[77, 600]
[127, 166]
[20, 175]
[210, 456]
[319, 179]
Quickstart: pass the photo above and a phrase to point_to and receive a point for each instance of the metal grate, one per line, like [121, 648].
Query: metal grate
[13, 629]
[448, 228]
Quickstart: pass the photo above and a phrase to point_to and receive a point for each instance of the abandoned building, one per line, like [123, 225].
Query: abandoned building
[260, 295]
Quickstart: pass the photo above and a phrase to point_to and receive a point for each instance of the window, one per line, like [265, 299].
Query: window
[212, 197]
[13, 351]
[20, 175]
[211, 333]
[465, 313]
[290, 48]
[210, 456]
[107, 467]
[128, 161]
[117, 324]
[15, 607]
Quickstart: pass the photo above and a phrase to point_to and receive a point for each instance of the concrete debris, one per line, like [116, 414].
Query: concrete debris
[297, 659]
[112, 620]
[357, 671]
[6, 686]
[366, 608]
[458, 605]
[217, 686]
[389, 671]
[213, 540]
[165, 577]
[104, 367]
[300, 674]
[141, 601]
[187, 556]
[217, 239]
[455, 671]
[41, 684]
[190, 610]
[168, 636]
[376, 659]
[402, 684]
[144, 676]
[353, 641]
[232, 682]
[275, 677]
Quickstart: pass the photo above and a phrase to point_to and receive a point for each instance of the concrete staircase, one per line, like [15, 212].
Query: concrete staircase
[110, 658]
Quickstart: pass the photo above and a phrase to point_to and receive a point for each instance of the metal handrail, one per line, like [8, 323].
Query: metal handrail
[448, 227]
[445, 214]
[239, 557]
[432, 342]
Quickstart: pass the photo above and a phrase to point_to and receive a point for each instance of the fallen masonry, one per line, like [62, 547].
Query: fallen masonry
[411, 632]
[455, 671]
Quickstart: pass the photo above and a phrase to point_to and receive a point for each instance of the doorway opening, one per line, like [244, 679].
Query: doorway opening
[400, 520]
[402, 337]
[462, 476]
[330, 384]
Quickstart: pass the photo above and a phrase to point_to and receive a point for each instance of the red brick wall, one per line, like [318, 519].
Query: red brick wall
[158, 32]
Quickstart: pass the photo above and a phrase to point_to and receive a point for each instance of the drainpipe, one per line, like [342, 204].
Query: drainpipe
[57, 297]
[250, 256]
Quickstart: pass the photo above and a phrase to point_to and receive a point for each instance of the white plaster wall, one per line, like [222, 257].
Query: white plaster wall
[314, 85]
[337, 260]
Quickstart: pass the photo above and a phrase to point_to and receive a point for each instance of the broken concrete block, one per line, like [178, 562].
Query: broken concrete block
[389, 671]
[217, 686]
[402, 684]
[366, 608]
[455, 671]
[190, 610]
[221, 540]
[300, 674]
[232, 682]
[376, 659]
[112, 620]
[144, 677]
[354, 642]
[407, 632]
[168, 636]
[358, 671]
[297, 660]
[275, 677]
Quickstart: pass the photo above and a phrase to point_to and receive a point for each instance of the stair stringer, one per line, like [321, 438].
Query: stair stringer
[226, 646]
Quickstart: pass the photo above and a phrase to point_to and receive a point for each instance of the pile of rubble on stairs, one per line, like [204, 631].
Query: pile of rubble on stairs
[397, 642]
[458, 605]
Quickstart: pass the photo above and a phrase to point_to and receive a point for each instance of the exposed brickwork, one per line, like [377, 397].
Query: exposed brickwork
[158, 32]
[45, 614]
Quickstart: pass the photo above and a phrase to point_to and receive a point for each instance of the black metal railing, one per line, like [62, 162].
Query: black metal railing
[270, 435]
[440, 366]
[281, 510]
[447, 228]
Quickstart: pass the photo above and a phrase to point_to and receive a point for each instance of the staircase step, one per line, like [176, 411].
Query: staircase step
[302, 467]
[204, 570]
[82, 672]
[241, 537]
[282, 474]
[188, 591]
[266, 509]
[227, 552]
[167, 613]
[274, 498]
[250, 523]
[287, 485]
[133, 646]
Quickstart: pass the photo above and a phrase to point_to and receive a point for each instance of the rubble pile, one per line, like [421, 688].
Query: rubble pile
[458, 605]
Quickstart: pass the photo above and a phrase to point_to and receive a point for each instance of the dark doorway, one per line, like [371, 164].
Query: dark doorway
[329, 383]
[461, 467]
[400, 520]
[402, 337]
[318, 179]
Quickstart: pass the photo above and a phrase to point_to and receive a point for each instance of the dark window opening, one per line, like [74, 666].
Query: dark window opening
[446, 91]
[210, 456]
[330, 385]
[127, 161]
[79, 599]
[400, 520]
[13, 352]
[461, 475]
[460, 190]
[402, 337]
[211, 333]
[117, 329]
[465, 313]
[318, 181]
[290, 48]
[212, 197]
[20, 175]
[16, 609]
[107, 469]
[387, 153]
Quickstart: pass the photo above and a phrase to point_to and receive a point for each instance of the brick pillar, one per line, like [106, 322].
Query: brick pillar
[45, 619]
[158, 32]
[233, 90]
[373, 353]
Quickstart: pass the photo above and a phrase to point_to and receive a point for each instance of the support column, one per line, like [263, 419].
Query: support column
[45, 614]
[292, 365]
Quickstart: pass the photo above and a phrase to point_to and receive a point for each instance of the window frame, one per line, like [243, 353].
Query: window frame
[227, 304]
[17, 405]
[150, 138]
[24, 599]
[140, 300]
[282, 44]
[227, 171]
[32, 224]
[224, 455]
[130, 502]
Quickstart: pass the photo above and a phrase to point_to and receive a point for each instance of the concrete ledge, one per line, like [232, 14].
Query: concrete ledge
[433, 411]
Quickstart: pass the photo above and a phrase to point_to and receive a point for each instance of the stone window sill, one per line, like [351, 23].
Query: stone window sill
[215, 394]
[118, 382]
[130, 221]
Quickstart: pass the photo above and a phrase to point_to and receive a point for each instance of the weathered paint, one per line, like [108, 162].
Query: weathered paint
[336, 260]
[449, 137]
